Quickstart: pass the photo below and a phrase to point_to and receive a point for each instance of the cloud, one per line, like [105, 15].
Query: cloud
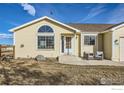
[94, 12]
[29, 8]
[5, 36]
[117, 14]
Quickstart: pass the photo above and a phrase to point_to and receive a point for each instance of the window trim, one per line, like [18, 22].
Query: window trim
[89, 44]
[45, 29]
[46, 48]
[45, 34]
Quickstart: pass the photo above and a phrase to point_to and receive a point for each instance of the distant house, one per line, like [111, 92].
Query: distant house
[51, 38]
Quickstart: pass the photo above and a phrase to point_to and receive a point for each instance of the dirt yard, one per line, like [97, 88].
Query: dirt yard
[30, 72]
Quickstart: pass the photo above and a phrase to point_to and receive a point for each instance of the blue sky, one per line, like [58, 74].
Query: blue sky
[12, 15]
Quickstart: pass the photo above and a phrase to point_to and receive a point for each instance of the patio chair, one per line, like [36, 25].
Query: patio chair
[99, 55]
[89, 56]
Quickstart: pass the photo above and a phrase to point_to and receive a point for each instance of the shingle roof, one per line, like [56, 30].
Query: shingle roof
[115, 25]
[91, 27]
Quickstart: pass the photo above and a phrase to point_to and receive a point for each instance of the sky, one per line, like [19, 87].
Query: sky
[13, 15]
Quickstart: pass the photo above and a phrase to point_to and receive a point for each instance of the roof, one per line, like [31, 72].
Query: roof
[42, 18]
[91, 27]
[116, 26]
[101, 28]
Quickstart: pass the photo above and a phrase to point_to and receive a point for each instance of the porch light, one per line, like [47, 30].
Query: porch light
[116, 42]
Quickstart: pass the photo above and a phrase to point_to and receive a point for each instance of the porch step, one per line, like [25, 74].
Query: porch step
[69, 58]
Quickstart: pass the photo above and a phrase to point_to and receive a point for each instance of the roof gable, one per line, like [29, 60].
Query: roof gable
[114, 27]
[117, 26]
[76, 27]
[40, 19]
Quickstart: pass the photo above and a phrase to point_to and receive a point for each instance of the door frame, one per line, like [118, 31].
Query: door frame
[62, 53]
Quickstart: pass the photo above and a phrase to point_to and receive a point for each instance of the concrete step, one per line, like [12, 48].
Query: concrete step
[69, 58]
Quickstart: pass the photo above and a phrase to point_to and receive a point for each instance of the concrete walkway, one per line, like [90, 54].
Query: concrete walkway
[73, 60]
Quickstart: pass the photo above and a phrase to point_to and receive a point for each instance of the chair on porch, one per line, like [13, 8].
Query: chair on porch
[99, 55]
[88, 55]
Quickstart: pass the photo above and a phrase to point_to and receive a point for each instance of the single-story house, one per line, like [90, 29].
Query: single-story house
[51, 38]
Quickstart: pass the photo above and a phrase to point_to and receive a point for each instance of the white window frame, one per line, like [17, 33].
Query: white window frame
[46, 34]
[89, 44]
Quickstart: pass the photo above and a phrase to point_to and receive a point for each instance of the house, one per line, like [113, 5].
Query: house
[51, 38]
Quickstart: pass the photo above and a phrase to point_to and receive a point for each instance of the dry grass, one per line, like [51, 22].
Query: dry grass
[30, 72]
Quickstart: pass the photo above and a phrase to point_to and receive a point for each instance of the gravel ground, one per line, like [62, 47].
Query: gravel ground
[50, 72]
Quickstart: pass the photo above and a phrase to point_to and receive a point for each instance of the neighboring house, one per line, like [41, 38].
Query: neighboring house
[51, 38]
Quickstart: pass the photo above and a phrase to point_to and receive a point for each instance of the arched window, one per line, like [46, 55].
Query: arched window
[45, 37]
[45, 28]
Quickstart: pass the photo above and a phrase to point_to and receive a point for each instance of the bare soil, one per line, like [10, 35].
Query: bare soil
[50, 72]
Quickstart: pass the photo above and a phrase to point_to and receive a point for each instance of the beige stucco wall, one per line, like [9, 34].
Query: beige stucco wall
[107, 45]
[88, 48]
[100, 42]
[77, 42]
[116, 49]
[28, 37]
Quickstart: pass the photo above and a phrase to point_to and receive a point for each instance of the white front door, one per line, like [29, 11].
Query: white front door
[66, 45]
[122, 49]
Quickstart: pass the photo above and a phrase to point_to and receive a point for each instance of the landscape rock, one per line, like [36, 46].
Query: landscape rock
[40, 58]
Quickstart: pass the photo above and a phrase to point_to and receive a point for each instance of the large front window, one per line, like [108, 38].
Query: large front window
[89, 40]
[45, 37]
[45, 42]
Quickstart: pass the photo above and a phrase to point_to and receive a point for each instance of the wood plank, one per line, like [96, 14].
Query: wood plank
[5, 51]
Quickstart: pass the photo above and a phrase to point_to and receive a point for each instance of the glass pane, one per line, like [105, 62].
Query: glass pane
[86, 40]
[92, 40]
[45, 28]
[89, 40]
[45, 42]
[68, 42]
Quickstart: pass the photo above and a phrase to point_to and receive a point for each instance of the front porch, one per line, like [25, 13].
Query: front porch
[74, 60]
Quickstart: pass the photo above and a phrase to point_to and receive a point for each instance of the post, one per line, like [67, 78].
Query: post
[14, 52]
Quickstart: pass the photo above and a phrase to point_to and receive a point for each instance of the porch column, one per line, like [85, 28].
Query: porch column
[99, 44]
[75, 45]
